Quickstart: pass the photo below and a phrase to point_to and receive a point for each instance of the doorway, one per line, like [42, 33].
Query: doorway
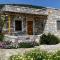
[30, 27]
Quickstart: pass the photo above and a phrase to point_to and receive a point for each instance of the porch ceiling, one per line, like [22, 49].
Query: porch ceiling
[27, 10]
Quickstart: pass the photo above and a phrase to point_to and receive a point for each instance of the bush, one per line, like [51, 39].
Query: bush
[49, 39]
[5, 44]
[16, 57]
[56, 56]
[36, 55]
[1, 37]
[32, 55]
[25, 45]
[11, 45]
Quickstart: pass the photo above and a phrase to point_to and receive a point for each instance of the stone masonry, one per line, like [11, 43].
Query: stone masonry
[51, 24]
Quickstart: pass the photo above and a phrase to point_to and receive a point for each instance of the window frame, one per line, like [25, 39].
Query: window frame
[21, 25]
[58, 28]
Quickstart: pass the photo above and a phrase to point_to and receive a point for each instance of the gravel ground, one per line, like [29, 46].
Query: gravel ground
[49, 48]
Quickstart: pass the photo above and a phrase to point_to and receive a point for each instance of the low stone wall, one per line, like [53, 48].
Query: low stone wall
[24, 38]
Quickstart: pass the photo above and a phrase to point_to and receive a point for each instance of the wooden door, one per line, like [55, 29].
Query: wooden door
[30, 27]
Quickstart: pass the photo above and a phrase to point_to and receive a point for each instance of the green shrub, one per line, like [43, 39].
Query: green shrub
[16, 57]
[36, 55]
[10, 47]
[32, 55]
[19, 45]
[25, 45]
[1, 37]
[56, 56]
[49, 39]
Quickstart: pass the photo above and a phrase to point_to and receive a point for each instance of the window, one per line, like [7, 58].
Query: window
[58, 25]
[18, 25]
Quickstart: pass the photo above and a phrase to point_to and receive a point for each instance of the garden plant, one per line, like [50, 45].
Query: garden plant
[49, 39]
[37, 55]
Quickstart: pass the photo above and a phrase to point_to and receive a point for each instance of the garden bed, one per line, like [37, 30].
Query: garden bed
[9, 48]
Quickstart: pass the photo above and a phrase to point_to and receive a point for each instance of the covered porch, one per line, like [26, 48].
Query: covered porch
[24, 24]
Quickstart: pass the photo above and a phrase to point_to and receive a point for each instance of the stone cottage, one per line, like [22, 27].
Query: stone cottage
[26, 20]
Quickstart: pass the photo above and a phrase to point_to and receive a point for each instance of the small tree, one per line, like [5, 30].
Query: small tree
[2, 21]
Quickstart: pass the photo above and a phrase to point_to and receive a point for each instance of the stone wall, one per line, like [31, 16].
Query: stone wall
[39, 26]
[12, 25]
[51, 24]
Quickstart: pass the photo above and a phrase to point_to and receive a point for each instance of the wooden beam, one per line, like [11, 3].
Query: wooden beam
[9, 24]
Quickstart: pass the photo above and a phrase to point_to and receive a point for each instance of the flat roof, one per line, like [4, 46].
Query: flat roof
[29, 9]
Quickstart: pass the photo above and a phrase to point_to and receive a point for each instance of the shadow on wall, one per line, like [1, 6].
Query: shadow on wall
[40, 23]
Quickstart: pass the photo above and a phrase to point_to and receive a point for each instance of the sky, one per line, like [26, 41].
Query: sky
[45, 3]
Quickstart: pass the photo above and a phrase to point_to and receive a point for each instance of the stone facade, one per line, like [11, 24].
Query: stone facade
[51, 24]
[38, 25]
